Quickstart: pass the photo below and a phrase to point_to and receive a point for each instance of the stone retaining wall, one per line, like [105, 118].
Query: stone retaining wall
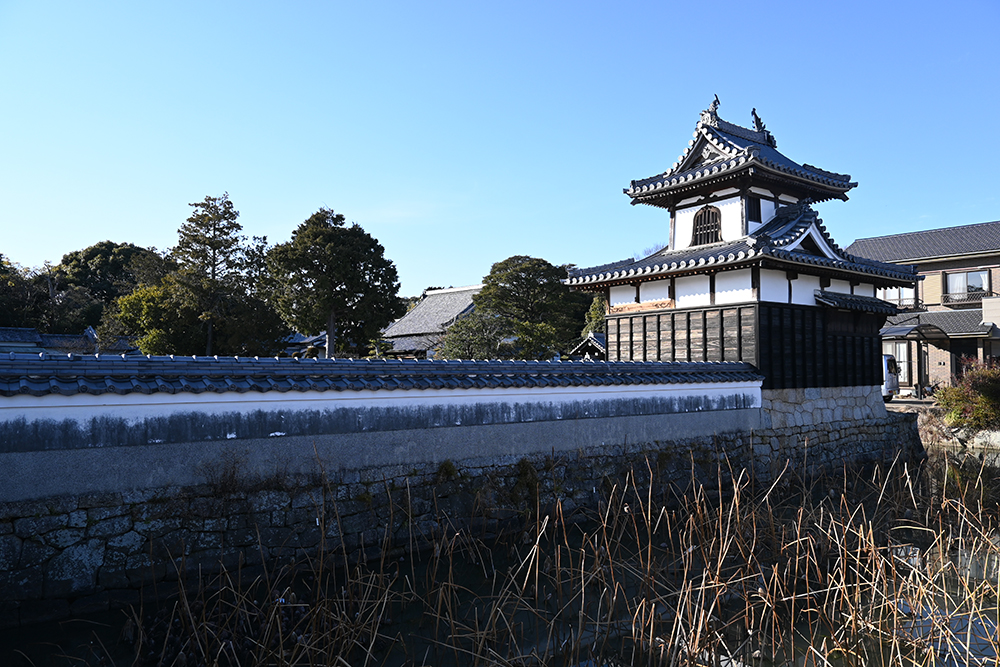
[85, 552]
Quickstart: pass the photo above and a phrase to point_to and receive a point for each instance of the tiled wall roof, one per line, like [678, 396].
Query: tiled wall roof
[41, 374]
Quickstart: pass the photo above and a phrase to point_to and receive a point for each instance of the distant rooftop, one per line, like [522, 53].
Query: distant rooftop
[930, 244]
[425, 324]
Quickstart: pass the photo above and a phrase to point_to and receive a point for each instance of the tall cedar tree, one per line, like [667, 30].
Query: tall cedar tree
[333, 276]
[209, 253]
[208, 300]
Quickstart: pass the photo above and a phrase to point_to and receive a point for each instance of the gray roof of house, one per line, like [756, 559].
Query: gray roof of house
[20, 335]
[789, 225]
[78, 343]
[731, 149]
[931, 243]
[414, 344]
[42, 374]
[434, 313]
[951, 322]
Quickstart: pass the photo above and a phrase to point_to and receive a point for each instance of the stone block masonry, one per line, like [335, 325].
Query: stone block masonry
[121, 474]
[73, 554]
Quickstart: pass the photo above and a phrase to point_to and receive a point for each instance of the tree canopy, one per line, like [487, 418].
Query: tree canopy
[335, 277]
[524, 311]
[207, 297]
[105, 268]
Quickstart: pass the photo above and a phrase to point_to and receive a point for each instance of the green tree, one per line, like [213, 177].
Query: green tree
[71, 311]
[159, 323]
[22, 297]
[206, 297]
[479, 335]
[334, 276]
[529, 292]
[105, 268]
[210, 257]
[594, 322]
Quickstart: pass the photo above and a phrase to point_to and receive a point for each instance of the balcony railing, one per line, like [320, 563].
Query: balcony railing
[906, 303]
[965, 298]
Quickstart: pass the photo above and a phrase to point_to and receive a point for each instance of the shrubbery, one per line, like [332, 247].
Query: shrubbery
[975, 401]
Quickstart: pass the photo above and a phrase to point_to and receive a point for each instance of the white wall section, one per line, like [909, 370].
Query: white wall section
[804, 290]
[733, 287]
[773, 286]
[621, 294]
[693, 291]
[656, 290]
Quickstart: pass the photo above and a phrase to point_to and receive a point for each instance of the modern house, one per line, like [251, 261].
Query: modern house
[417, 334]
[952, 314]
[750, 273]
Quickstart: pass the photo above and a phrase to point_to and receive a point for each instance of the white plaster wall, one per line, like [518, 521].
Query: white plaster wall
[732, 218]
[733, 287]
[787, 199]
[804, 290]
[684, 227]
[656, 290]
[865, 289]
[83, 407]
[773, 286]
[692, 291]
[767, 209]
[730, 211]
[622, 294]
[839, 286]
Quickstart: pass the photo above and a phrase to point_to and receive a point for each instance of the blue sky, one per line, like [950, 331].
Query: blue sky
[461, 133]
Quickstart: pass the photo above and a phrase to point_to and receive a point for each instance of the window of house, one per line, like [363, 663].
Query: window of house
[753, 209]
[707, 226]
[968, 285]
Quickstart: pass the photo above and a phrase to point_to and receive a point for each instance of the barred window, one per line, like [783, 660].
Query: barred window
[753, 209]
[707, 224]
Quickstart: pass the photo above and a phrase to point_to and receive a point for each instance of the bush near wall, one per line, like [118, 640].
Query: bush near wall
[974, 402]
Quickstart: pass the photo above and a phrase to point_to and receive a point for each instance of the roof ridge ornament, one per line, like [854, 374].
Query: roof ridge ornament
[710, 116]
[758, 124]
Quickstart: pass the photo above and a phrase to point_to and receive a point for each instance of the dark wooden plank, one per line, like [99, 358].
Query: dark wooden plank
[696, 339]
[638, 339]
[667, 337]
[730, 334]
[787, 348]
[682, 351]
[652, 329]
[613, 353]
[713, 335]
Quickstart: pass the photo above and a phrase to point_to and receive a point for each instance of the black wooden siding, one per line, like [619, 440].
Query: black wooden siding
[793, 346]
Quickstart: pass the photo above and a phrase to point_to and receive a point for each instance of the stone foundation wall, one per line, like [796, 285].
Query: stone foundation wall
[84, 552]
[821, 406]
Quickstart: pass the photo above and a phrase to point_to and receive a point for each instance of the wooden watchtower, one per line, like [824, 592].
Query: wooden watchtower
[750, 274]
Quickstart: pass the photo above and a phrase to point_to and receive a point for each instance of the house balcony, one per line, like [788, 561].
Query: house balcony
[906, 304]
[971, 298]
